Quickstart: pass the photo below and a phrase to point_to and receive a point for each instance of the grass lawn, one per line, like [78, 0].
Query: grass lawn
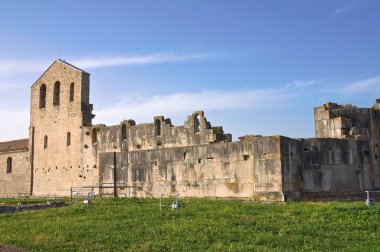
[216, 225]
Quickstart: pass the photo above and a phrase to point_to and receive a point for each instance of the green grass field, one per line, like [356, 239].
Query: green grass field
[215, 225]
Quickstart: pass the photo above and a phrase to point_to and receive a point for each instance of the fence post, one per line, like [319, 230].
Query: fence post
[114, 176]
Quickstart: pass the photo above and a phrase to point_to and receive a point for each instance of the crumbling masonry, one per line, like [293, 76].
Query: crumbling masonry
[66, 150]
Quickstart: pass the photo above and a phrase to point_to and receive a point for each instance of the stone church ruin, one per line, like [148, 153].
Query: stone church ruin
[66, 150]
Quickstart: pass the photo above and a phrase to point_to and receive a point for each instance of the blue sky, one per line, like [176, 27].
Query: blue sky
[255, 67]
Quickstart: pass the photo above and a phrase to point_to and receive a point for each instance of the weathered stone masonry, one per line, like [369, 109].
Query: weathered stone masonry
[15, 170]
[66, 150]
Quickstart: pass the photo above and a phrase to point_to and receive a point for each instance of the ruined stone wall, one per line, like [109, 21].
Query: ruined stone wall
[375, 143]
[57, 164]
[100, 143]
[341, 121]
[246, 169]
[17, 182]
[347, 121]
[336, 165]
[292, 166]
[162, 134]
[326, 165]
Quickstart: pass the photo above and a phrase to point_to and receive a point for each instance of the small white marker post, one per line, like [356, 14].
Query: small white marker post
[369, 201]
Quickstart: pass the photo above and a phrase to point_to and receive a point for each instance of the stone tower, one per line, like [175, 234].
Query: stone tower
[59, 109]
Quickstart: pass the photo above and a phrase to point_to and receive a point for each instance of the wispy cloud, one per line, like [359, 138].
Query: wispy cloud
[348, 6]
[97, 62]
[36, 66]
[22, 66]
[181, 104]
[363, 86]
[300, 84]
[16, 125]
[8, 85]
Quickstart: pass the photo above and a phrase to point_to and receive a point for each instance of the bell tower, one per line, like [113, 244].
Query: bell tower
[59, 109]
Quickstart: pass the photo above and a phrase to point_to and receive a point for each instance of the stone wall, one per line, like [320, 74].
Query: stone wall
[326, 165]
[292, 165]
[375, 143]
[341, 121]
[162, 134]
[17, 182]
[347, 121]
[247, 169]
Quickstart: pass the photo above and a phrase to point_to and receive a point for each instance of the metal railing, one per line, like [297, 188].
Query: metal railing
[82, 191]
[174, 205]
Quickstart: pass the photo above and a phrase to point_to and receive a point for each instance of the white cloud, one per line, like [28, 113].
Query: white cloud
[22, 66]
[363, 86]
[15, 124]
[97, 62]
[37, 66]
[300, 84]
[8, 85]
[143, 109]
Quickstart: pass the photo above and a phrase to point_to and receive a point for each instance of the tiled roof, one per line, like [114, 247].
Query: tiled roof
[14, 145]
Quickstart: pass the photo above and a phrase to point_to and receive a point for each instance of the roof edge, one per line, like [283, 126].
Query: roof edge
[63, 62]
[14, 145]
[72, 66]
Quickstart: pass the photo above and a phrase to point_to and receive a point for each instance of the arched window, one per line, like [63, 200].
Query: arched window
[197, 126]
[68, 139]
[72, 91]
[45, 142]
[9, 165]
[157, 127]
[42, 96]
[94, 135]
[123, 132]
[57, 92]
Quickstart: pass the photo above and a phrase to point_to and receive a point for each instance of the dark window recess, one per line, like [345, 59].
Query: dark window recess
[157, 127]
[94, 135]
[42, 96]
[57, 93]
[123, 132]
[45, 142]
[197, 126]
[9, 165]
[68, 139]
[72, 91]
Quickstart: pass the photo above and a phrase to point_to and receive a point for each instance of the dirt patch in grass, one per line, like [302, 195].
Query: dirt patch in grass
[19, 208]
[8, 248]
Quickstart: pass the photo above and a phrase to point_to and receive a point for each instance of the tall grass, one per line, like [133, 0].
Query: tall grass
[139, 225]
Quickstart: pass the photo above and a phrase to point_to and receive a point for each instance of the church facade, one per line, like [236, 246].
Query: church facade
[65, 150]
